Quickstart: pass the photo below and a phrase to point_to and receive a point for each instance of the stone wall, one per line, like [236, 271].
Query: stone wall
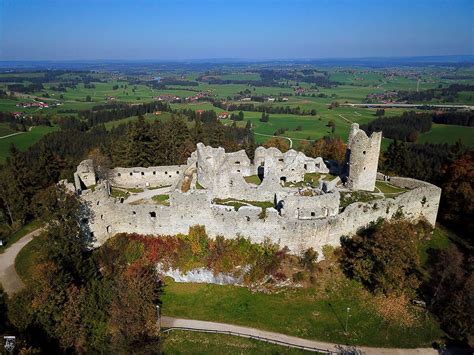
[109, 216]
[147, 177]
[302, 217]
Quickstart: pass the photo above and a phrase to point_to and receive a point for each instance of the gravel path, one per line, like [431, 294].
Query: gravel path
[278, 338]
[9, 278]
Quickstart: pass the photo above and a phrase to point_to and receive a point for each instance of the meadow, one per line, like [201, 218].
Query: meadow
[24, 140]
[354, 86]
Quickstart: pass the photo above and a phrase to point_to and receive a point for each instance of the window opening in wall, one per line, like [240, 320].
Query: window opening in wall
[131, 174]
[98, 203]
[134, 213]
[283, 179]
[109, 229]
[166, 172]
[248, 218]
[153, 214]
[154, 173]
[363, 152]
[177, 173]
[313, 214]
[281, 159]
[237, 162]
[101, 216]
[238, 171]
[118, 174]
[121, 199]
[143, 173]
[92, 235]
[305, 167]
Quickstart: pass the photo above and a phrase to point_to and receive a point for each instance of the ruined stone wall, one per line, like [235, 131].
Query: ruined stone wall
[147, 177]
[296, 206]
[109, 216]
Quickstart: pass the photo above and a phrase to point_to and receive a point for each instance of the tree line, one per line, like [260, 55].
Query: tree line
[406, 127]
[264, 108]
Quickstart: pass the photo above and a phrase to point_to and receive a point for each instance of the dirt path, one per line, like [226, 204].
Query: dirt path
[346, 119]
[9, 278]
[11, 135]
[278, 338]
[14, 134]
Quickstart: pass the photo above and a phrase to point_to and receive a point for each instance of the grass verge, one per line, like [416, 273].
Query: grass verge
[184, 342]
[12, 238]
[312, 313]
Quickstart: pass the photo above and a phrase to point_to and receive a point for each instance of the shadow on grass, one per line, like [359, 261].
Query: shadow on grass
[337, 317]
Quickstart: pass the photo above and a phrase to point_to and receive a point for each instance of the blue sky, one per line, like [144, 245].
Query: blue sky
[252, 29]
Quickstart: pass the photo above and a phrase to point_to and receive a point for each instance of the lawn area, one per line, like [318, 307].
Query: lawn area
[24, 140]
[441, 133]
[253, 179]
[149, 117]
[30, 227]
[388, 189]
[308, 313]
[119, 193]
[29, 256]
[239, 203]
[439, 240]
[184, 342]
[6, 130]
[348, 198]
[162, 199]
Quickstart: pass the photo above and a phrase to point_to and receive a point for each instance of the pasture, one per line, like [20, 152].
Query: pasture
[24, 140]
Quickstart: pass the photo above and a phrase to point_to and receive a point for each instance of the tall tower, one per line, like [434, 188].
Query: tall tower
[362, 159]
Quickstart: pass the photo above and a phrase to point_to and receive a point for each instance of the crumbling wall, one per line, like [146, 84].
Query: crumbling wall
[147, 177]
[85, 174]
[195, 207]
[297, 206]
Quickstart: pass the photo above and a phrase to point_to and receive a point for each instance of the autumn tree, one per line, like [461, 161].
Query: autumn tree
[449, 291]
[385, 257]
[279, 143]
[458, 195]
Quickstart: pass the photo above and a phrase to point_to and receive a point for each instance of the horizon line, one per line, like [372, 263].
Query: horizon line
[296, 59]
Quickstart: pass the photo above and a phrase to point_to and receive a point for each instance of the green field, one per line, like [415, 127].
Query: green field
[308, 313]
[448, 134]
[185, 342]
[24, 140]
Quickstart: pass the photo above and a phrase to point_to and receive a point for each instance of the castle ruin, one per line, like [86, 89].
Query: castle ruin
[289, 198]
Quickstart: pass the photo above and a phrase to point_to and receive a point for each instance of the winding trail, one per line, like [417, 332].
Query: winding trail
[12, 283]
[17, 133]
[9, 278]
[277, 338]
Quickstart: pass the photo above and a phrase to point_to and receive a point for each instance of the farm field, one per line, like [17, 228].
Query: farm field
[24, 140]
[448, 134]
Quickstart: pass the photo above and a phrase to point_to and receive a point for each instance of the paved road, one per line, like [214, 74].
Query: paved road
[9, 278]
[178, 323]
[395, 105]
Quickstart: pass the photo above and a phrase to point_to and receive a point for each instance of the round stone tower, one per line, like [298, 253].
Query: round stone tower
[362, 159]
